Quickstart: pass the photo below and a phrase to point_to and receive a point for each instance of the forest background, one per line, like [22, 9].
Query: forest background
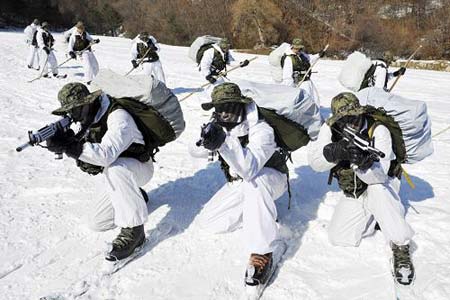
[372, 26]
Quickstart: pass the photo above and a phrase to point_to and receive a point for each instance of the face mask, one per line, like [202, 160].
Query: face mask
[85, 114]
[229, 114]
[354, 122]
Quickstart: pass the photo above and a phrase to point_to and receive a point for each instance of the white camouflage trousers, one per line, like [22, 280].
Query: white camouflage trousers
[250, 204]
[118, 199]
[354, 218]
[48, 62]
[33, 56]
[155, 69]
[90, 65]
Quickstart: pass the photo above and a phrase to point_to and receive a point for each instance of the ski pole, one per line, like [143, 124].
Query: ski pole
[406, 64]
[42, 72]
[310, 68]
[140, 61]
[221, 74]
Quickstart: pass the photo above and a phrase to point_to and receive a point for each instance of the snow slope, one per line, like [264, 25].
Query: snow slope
[47, 249]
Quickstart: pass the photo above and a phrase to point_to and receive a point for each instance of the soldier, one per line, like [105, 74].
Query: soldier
[370, 184]
[80, 42]
[45, 42]
[378, 75]
[145, 49]
[33, 53]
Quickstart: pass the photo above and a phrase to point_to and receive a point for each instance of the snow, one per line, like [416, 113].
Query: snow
[47, 248]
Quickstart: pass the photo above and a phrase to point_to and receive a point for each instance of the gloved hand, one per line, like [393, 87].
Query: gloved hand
[134, 63]
[335, 152]
[211, 78]
[244, 63]
[359, 157]
[321, 53]
[72, 55]
[212, 136]
[96, 41]
[65, 143]
[47, 50]
[399, 72]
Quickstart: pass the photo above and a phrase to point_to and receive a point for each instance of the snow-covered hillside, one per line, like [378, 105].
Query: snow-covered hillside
[47, 249]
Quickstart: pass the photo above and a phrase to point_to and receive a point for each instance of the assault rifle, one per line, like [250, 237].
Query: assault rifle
[206, 128]
[355, 138]
[59, 127]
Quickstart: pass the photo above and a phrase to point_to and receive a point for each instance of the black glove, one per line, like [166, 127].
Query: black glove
[96, 41]
[72, 55]
[65, 143]
[211, 78]
[359, 157]
[335, 152]
[212, 136]
[244, 63]
[321, 53]
[47, 50]
[399, 72]
[134, 63]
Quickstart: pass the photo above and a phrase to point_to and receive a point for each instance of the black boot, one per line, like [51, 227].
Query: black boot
[258, 270]
[126, 242]
[403, 269]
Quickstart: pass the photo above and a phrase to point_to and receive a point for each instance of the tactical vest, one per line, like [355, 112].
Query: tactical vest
[300, 65]
[48, 39]
[147, 51]
[34, 40]
[277, 161]
[96, 133]
[219, 63]
[81, 42]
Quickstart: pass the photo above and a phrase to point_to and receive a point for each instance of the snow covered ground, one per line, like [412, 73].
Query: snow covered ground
[47, 249]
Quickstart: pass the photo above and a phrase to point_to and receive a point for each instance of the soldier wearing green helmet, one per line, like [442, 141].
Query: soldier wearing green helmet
[256, 170]
[144, 51]
[111, 146]
[296, 65]
[370, 184]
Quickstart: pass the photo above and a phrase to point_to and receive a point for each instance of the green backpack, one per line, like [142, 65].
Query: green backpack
[289, 135]
[201, 51]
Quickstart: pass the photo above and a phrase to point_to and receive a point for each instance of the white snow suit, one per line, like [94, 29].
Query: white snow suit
[90, 63]
[150, 68]
[288, 78]
[248, 202]
[33, 53]
[118, 200]
[48, 61]
[206, 68]
[352, 217]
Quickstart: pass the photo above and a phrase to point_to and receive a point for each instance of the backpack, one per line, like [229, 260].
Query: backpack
[154, 107]
[200, 45]
[407, 121]
[291, 112]
[354, 70]
[275, 61]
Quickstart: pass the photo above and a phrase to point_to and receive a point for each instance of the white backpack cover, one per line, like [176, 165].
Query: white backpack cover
[198, 43]
[353, 70]
[411, 116]
[276, 70]
[292, 103]
[147, 90]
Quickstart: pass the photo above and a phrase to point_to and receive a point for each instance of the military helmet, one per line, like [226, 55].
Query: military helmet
[72, 95]
[227, 92]
[224, 44]
[143, 35]
[36, 22]
[44, 25]
[298, 43]
[344, 104]
[388, 57]
[80, 25]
